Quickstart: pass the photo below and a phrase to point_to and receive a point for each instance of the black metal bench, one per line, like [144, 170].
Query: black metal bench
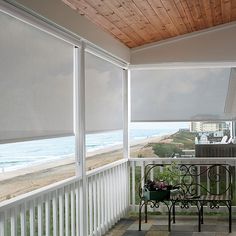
[199, 185]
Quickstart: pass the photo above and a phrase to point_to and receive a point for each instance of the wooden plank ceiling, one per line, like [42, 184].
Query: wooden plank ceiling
[137, 22]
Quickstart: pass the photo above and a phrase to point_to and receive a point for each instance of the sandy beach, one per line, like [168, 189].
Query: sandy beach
[14, 183]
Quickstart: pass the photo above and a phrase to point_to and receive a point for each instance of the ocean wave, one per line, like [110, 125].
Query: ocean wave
[18, 155]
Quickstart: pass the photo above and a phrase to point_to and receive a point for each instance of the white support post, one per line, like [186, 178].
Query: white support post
[79, 124]
[233, 129]
[126, 113]
[126, 122]
[76, 108]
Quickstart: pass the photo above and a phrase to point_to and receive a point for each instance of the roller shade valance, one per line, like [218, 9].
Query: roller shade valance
[103, 95]
[36, 83]
[182, 94]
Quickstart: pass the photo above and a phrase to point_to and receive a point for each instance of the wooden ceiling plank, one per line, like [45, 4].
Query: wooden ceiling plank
[85, 9]
[137, 22]
[194, 8]
[152, 17]
[184, 15]
[110, 15]
[206, 9]
[226, 10]
[138, 28]
[201, 13]
[233, 10]
[189, 14]
[174, 15]
[136, 14]
[131, 19]
[216, 12]
[161, 12]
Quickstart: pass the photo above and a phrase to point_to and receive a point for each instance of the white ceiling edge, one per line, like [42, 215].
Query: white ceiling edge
[60, 14]
[183, 65]
[213, 46]
[184, 36]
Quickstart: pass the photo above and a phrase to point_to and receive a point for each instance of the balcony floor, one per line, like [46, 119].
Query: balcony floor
[184, 226]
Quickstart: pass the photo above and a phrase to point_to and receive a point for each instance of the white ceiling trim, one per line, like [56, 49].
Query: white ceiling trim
[184, 36]
[183, 65]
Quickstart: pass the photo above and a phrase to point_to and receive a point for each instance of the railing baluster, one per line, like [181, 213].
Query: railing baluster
[113, 196]
[152, 178]
[67, 216]
[99, 204]
[90, 206]
[124, 192]
[81, 203]
[151, 172]
[133, 186]
[32, 219]
[109, 198]
[142, 175]
[22, 220]
[106, 205]
[13, 222]
[102, 203]
[72, 205]
[40, 217]
[61, 213]
[47, 216]
[95, 205]
[115, 192]
[77, 207]
[120, 191]
[117, 179]
[128, 186]
[199, 180]
[2, 224]
[54, 212]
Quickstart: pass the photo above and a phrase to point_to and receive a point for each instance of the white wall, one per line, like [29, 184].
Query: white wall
[215, 45]
[59, 13]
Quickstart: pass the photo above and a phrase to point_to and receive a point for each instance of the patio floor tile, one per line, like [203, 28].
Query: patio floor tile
[184, 226]
[134, 233]
[157, 233]
[145, 227]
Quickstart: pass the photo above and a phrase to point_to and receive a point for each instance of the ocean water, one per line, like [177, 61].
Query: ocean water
[22, 154]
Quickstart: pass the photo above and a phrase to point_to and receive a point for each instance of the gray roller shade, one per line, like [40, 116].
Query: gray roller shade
[36, 83]
[182, 95]
[103, 95]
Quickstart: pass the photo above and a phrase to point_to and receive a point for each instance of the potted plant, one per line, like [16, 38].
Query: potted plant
[161, 188]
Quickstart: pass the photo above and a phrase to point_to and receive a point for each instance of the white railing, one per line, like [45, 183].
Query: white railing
[137, 166]
[56, 209]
